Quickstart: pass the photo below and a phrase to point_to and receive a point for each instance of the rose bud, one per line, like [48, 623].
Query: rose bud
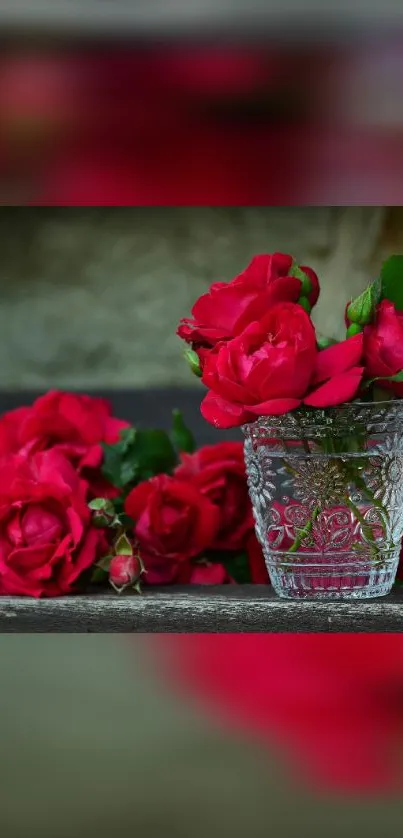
[124, 571]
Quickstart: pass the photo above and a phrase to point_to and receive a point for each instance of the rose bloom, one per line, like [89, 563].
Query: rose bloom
[174, 522]
[274, 367]
[383, 346]
[228, 307]
[218, 471]
[75, 424]
[46, 537]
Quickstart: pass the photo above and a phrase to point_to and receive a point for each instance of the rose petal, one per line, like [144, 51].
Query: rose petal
[136, 500]
[274, 407]
[338, 358]
[223, 414]
[341, 388]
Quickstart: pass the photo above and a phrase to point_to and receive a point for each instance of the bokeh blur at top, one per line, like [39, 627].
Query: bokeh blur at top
[182, 103]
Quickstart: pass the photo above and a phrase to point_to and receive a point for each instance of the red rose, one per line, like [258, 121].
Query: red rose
[174, 523]
[383, 346]
[73, 423]
[218, 471]
[265, 269]
[46, 540]
[265, 371]
[225, 311]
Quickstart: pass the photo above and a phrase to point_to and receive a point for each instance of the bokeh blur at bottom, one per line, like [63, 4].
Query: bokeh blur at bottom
[200, 735]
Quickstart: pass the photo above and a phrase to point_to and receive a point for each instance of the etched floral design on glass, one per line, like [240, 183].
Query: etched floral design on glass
[327, 493]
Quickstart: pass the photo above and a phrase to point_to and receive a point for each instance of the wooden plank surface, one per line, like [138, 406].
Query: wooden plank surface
[249, 608]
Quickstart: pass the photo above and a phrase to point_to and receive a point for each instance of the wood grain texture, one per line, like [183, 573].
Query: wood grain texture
[249, 608]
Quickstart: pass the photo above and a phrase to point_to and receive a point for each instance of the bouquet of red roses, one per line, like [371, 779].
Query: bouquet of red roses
[255, 347]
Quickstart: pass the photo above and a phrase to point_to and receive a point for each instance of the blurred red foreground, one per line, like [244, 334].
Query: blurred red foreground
[199, 125]
[333, 703]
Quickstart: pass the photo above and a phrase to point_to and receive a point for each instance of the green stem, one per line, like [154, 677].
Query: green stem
[366, 528]
[305, 531]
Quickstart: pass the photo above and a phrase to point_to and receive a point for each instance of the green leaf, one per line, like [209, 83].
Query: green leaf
[306, 285]
[128, 471]
[104, 563]
[153, 453]
[139, 456]
[127, 437]
[237, 565]
[99, 575]
[112, 463]
[392, 281]
[182, 436]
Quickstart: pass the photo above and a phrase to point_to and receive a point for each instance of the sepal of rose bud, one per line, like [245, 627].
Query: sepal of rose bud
[125, 571]
[193, 360]
[299, 273]
[103, 512]
[305, 304]
[353, 329]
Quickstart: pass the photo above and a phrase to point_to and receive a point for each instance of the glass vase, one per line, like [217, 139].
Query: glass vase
[327, 493]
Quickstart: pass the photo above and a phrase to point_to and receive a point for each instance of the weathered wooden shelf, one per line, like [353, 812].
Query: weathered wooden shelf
[248, 608]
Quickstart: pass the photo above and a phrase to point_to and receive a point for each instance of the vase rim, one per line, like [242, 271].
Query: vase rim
[372, 414]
